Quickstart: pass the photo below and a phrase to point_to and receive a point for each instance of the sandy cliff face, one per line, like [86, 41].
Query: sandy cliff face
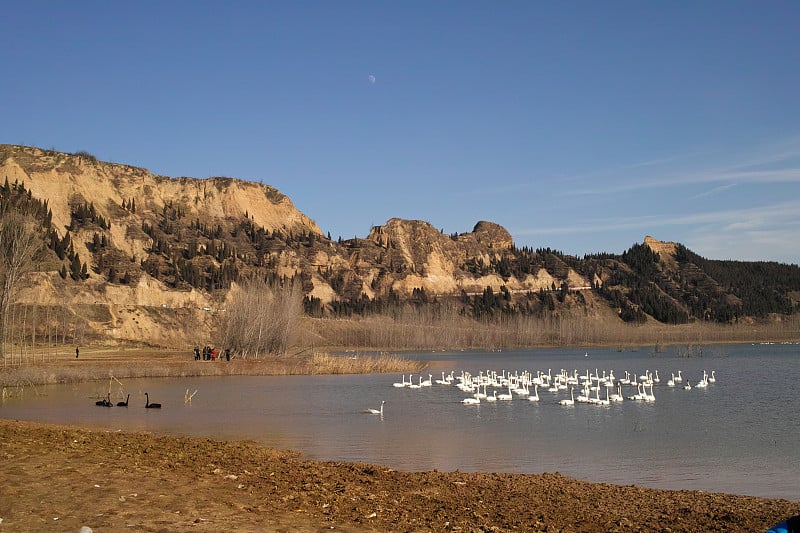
[65, 181]
[665, 250]
[437, 262]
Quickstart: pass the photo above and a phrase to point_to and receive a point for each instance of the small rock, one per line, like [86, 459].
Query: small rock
[85, 529]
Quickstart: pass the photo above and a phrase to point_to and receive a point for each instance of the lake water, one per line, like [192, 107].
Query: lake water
[737, 435]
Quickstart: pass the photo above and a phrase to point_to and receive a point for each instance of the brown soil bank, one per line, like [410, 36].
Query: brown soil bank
[61, 478]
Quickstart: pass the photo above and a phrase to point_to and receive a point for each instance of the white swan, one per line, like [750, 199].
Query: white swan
[638, 395]
[492, 398]
[470, 401]
[607, 401]
[688, 386]
[571, 400]
[679, 377]
[523, 390]
[671, 382]
[376, 411]
[401, 384]
[648, 397]
[617, 396]
[713, 377]
[504, 396]
[584, 397]
[535, 396]
[478, 394]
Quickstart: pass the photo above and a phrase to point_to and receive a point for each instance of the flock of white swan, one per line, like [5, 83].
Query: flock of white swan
[597, 388]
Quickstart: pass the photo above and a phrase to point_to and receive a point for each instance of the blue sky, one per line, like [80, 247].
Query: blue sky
[580, 126]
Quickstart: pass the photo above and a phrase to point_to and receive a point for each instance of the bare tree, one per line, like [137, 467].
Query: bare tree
[261, 318]
[20, 246]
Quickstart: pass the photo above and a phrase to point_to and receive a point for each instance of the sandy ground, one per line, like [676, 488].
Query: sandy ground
[59, 478]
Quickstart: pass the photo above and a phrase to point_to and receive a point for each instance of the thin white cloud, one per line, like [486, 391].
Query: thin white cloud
[781, 214]
[645, 175]
[712, 192]
[786, 175]
[777, 244]
[559, 185]
[780, 151]
[614, 171]
[782, 158]
[372, 79]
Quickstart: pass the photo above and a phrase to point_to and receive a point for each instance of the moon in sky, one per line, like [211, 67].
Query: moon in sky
[372, 78]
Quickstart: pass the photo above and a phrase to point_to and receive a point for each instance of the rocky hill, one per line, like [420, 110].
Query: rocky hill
[134, 252]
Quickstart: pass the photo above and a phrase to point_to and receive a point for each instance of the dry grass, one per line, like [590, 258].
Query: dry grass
[97, 364]
[454, 332]
[322, 363]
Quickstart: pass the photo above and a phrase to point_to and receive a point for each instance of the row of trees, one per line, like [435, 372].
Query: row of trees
[20, 249]
[24, 222]
[488, 306]
[261, 317]
[26, 234]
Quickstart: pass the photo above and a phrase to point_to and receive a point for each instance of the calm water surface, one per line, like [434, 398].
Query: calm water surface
[738, 435]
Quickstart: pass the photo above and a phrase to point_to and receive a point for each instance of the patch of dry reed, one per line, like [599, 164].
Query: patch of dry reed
[451, 332]
[322, 363]
[137, 367]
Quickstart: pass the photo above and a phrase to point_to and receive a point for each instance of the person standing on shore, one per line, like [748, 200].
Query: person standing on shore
[77, 352]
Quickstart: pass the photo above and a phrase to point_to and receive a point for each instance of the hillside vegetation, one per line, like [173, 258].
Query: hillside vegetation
[128, 256]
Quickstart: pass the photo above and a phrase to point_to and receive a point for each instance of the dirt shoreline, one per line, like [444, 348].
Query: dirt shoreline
[64, 477]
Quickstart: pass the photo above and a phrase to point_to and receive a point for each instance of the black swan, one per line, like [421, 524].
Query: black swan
[125, 403]
[149, 405]
[106, 402]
